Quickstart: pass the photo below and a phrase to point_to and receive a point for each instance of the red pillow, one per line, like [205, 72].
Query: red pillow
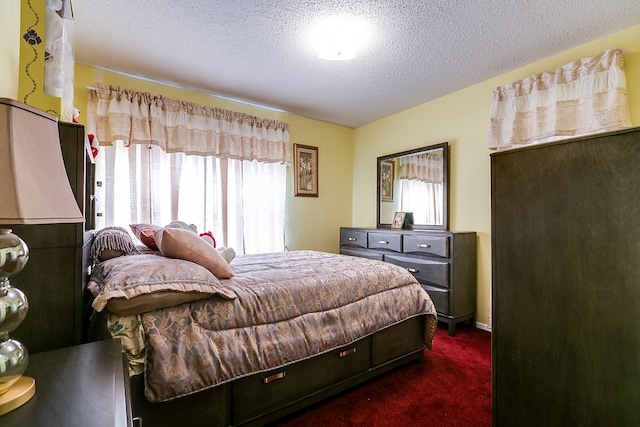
[145, 233]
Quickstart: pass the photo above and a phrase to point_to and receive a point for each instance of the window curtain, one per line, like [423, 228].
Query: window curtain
[162, 160]
[421, 187]
[424, 167]
[585, 96]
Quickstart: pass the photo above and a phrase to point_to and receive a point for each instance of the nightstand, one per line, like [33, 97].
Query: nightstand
[83, 385]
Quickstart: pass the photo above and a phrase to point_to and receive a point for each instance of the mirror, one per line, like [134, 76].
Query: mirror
[415, 181]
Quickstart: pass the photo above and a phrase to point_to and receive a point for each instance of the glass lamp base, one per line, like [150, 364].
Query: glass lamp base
[19, 394]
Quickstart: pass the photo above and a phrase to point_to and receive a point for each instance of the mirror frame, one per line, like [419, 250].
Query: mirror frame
[445, 191]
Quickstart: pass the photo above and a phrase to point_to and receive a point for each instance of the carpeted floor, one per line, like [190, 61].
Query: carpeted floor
[452, 388]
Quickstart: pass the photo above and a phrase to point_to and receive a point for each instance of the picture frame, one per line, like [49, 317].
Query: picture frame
[386, 181]
[398, 220]
[305, 170]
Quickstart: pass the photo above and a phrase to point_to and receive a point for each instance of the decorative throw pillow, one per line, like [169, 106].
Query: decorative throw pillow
[136, 284]
[185, 244]
[145, 233]
[111, 242]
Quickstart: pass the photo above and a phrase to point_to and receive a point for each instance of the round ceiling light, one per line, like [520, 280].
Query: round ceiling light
[338, 38]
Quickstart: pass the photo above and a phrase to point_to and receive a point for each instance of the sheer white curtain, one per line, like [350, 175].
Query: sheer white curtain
[421, 186]
[585, 96]
[423, 199]
[234, 187]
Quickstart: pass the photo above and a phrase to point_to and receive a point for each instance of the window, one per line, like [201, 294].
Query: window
[241, 202]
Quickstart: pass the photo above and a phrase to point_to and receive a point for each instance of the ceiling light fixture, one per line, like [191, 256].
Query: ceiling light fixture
[339, 38]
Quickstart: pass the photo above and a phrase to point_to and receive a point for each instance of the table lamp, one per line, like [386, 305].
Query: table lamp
[34, 189]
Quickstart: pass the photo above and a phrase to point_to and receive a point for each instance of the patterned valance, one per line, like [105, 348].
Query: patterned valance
[585, 96]
[425, 167]
[185, 127]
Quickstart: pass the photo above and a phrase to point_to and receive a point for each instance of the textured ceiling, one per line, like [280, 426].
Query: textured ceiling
[261, 51]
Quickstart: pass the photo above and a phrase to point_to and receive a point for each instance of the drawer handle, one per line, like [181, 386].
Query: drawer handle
[383, 242]
[352, 239]
[347, 352]
[424, 245]
[274, 377]
[413, 270]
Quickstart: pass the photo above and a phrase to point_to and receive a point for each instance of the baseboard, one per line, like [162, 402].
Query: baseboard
[483, 326]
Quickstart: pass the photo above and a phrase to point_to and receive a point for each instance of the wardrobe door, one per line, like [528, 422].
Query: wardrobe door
[52, 278]
[566, 282]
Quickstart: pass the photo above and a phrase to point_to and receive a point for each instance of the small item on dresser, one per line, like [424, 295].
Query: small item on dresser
[398, 220]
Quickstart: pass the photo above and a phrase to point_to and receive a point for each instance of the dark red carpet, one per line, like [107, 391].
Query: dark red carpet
[451, 389]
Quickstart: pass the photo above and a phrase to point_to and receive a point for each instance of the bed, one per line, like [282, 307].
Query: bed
[284, 331]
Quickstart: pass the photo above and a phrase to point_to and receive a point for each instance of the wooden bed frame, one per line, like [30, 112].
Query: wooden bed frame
[264, 397]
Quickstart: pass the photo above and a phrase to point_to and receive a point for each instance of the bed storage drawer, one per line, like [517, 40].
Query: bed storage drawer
[397, 341]
[354, 238]
[426, 271]
[426, 244]
[279, 387]
[388, 241]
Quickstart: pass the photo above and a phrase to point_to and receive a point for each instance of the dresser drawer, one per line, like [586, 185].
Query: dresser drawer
[354, 238]
[430, 245]
[388, 241]
[260, 393]
[440, 298]
[426, 271]
[362, 253]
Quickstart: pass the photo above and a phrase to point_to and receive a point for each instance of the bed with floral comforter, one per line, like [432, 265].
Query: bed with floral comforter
[276, 309]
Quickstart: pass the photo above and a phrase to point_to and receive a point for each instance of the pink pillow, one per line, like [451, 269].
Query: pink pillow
[187, 245]
[145, 233]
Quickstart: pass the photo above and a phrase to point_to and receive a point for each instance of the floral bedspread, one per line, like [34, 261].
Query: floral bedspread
[290, 306]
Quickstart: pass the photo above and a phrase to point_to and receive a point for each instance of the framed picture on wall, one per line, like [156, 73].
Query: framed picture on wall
[398, 220]
[386, 181]
[305, 170]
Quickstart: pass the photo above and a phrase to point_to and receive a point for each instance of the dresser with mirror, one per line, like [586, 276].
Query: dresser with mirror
[415, 183]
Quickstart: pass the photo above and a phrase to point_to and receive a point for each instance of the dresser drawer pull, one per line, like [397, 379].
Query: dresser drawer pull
[424, 245]
[413, 270]
[347, 352]
[274, 377]
[383, 242]
[352, 239]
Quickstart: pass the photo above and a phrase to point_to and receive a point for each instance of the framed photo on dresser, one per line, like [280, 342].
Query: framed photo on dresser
[398, 220]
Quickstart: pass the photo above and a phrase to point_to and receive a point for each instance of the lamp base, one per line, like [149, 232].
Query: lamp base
[17, 395]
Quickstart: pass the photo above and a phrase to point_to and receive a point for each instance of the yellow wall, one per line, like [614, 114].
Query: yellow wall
[311, 223]
[21, 63]
[461, 118]
[10, 48]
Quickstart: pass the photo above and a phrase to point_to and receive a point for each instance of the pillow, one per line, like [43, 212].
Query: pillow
[140, 283]
[183, 225]
[111, 242]
[185, 244]
[145, 233]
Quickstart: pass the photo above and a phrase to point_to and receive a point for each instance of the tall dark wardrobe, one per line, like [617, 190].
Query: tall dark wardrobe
[566, 282]
[53, 277]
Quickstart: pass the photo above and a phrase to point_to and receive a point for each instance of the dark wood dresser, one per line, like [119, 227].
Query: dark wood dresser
[52, 279]
[444, 262]
[566, 282]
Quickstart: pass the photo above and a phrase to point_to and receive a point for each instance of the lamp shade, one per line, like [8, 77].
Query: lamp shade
[35, 188]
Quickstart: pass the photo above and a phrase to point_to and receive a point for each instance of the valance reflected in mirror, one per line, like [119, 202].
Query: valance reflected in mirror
[415, 181]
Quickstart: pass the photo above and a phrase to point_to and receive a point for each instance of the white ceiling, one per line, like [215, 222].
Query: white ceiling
[260, 50]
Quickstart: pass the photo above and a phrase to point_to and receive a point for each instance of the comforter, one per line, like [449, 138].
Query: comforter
[288, 307]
